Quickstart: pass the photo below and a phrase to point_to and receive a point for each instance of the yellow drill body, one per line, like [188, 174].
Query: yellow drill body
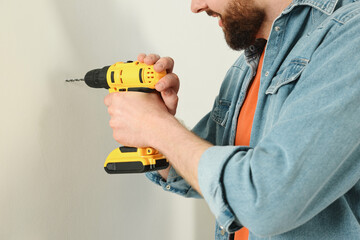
[129, 76]
[132, 76]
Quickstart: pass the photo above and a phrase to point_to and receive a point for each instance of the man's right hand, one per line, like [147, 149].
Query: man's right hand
[169, 85]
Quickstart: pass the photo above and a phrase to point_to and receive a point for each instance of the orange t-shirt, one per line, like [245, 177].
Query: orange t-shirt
[244, 125]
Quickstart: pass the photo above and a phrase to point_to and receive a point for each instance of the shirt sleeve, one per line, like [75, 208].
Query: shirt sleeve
[174, 183]
[306, 160]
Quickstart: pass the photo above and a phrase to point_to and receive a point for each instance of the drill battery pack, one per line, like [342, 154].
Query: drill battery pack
[135, 160]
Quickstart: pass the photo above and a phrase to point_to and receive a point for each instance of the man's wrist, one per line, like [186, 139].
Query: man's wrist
[164, 173]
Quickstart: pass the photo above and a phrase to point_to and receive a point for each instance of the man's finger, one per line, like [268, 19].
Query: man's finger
[141, 57]
[170, 99]
[164, 63]
[151, 59]
[169, 81]
[107, 100]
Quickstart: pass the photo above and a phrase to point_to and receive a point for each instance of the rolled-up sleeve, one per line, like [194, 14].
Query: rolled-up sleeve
[210, 176]
[174, 183]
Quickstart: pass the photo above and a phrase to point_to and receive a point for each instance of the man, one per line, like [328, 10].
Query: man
[279, 153]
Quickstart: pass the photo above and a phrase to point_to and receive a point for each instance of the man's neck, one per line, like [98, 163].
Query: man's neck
[272, 8]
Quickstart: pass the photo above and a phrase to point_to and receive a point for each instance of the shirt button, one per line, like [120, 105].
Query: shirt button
[222, 232]
[277, 28]
[266, 74]
[168, 187]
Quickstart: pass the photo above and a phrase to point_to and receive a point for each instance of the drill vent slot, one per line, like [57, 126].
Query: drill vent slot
[120, 76]
[112, 77]
[140, 75]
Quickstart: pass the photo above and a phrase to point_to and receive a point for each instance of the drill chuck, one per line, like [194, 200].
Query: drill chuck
[97, 78]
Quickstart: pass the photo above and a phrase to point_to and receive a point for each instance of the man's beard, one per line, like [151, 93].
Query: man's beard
[241, 22]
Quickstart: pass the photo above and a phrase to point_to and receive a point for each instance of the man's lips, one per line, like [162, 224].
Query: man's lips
[211, 13]
[214, 14]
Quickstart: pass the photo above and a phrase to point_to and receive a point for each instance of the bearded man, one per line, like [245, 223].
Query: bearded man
[279, 153]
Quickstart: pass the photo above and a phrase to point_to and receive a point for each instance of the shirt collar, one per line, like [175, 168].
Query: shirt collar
[253, 54]
[325, 6]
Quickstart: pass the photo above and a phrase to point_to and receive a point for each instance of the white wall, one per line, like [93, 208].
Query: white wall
[54, 137]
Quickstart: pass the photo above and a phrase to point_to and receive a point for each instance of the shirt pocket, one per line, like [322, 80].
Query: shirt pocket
[290, 74]
[221, 111]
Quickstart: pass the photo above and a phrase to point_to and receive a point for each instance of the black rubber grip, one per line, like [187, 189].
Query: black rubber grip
[142, 89]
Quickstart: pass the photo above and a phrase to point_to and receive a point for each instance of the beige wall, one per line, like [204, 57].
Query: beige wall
[54, 136]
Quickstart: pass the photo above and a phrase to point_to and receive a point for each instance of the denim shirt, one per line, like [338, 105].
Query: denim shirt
[300, 176]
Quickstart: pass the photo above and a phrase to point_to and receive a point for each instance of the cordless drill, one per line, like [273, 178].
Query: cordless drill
[129, 76]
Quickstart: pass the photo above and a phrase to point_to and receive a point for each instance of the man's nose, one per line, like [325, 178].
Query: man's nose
[198, 6]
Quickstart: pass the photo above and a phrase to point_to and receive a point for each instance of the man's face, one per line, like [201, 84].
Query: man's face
[239, 19]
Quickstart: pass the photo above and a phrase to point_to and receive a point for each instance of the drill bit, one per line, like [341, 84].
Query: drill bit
[74, 80]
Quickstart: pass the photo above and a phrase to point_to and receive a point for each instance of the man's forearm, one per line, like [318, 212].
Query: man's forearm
[182, 148]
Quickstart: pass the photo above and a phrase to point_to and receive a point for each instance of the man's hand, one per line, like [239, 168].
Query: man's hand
[135, 116]
[169, 85]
